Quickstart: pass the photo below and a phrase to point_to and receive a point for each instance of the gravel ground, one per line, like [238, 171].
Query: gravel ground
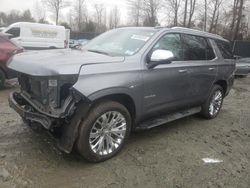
[167, 156]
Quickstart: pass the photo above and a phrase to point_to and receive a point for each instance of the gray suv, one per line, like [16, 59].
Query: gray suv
[125, 79]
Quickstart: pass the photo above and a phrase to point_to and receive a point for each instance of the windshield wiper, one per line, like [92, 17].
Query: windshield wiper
[99, 52]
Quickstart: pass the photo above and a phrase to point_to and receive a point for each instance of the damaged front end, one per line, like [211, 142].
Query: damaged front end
[50, 96]
[50, 101]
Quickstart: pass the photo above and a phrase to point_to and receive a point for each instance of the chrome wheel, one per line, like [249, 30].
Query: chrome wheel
[215, 103]
[107, 133]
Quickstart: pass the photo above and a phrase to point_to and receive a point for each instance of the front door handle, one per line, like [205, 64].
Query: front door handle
[182, 71]
[211, 68]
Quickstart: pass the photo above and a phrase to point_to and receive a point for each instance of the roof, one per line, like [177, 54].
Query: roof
[18, 24]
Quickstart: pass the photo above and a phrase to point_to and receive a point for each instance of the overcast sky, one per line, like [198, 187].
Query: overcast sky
[8, 5]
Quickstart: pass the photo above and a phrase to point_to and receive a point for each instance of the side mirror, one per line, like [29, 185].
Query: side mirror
[160, 57]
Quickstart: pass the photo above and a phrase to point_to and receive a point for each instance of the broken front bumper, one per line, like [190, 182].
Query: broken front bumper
[69, 130]
[22, 107]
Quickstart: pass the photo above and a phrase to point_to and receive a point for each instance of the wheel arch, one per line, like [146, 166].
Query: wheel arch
[122, 98]
[223, 84]
[70, 133]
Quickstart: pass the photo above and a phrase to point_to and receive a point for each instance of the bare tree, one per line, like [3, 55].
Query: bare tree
[185, 13]
[188, 13]
[151, 8]
[99, 9]
[234, 12]
[15, 16]
[215, 14]
[39, 11]
[191, 11]
[71, 20]
[100, 14]
[205, 15]
[174, 6]
[81, 15]
[114, 18]
[135, 11]
[237, 18]
[55, 6]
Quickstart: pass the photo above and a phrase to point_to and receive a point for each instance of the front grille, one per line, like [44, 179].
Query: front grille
[24, 82]
[36, 87]
[48, 96]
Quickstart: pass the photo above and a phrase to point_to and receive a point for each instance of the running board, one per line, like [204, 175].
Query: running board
[167, 118]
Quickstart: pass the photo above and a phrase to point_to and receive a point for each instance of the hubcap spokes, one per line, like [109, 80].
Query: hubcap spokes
[215, 104]
[107, 133]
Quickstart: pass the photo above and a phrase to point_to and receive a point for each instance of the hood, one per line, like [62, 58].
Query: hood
[57, 62]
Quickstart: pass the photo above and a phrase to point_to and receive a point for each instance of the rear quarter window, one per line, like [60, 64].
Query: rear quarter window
[225, 49]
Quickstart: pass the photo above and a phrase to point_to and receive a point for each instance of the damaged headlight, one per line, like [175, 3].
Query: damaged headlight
[52, 83]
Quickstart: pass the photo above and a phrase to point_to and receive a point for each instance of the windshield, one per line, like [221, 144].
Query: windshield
[120, 42]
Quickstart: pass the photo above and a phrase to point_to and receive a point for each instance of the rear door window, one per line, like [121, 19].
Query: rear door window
[225, 49]
[14, 31]
[194, 47]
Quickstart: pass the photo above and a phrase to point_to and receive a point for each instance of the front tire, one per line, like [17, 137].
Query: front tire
[212, 106]
[104, 131]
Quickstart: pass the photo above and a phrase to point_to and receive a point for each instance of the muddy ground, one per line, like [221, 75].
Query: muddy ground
[166, 156]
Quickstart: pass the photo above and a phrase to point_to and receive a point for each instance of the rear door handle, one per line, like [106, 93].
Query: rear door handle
[211, 68]
[182, 71]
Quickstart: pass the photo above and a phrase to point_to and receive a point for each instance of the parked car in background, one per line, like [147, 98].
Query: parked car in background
[83, 42]
[73, 43]
[38, 36]
[78, 44]
[125, 79]
[242, 67]
[7, 50]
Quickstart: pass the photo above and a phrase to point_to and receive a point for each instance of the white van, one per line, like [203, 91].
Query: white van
[38, 36]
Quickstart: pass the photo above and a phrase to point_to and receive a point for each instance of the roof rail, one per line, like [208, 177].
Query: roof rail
[198, 31]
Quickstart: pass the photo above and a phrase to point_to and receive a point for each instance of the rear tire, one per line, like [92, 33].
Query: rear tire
[213, 104]
[2, 79]
[104, 131]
